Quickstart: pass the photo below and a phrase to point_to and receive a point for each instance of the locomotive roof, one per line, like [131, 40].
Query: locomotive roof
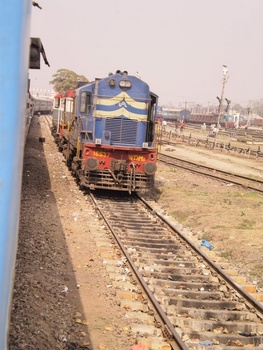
[68, 93]
[118, 75]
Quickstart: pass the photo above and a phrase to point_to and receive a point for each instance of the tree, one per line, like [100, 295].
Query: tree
[65, 79]
[237, 107]
[258, 110]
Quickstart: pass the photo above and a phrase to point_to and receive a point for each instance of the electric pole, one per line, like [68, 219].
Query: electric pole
[225, 77]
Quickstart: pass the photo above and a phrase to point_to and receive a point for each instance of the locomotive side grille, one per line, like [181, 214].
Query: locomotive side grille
[123, 131]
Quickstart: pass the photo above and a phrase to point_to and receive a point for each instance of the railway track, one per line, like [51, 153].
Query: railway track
[240, 180]
[189, 300]
[244, 181]
[194, 302]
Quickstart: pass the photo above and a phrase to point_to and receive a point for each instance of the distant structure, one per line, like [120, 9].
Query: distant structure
[42, 93]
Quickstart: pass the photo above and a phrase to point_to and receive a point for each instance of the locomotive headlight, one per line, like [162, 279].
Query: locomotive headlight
[91, 164]
[112, 82]
[125, 84]
[150, 168]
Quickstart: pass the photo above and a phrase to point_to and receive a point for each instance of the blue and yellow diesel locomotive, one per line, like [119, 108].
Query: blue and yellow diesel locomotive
[106, 130]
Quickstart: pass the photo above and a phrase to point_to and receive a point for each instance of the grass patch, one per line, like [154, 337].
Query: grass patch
[207, 236]
[218, 227]
[253, 195]
[256, 272]
[182, 218]
[226, 254]
[246, 225]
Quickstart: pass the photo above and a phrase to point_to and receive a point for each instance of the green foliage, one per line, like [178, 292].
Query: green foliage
[64, 80]
[238, 108]
[258, 110]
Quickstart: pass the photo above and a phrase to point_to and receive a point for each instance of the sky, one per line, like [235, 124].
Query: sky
[178, 47]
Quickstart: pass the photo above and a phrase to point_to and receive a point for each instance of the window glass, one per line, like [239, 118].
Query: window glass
[57, 102]
[85, 100]
[88, 102]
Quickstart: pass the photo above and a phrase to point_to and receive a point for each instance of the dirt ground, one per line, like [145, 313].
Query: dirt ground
[229, 217]
[62, 298]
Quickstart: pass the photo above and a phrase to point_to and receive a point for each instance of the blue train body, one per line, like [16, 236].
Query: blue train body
[14, 53]
[106, 131]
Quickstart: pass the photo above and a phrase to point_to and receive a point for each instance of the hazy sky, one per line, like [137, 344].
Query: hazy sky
[177, 46]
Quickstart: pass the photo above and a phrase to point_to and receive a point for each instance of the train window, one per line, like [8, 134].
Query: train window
[57, 102]
[85, 102]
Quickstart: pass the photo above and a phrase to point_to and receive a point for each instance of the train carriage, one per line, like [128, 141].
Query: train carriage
[106, 131]
[42, 106]
[62, 111]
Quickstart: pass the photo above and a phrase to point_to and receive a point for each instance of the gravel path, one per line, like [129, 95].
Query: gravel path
[61, 299]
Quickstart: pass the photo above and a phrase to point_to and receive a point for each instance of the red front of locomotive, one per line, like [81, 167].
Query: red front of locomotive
[116, 168]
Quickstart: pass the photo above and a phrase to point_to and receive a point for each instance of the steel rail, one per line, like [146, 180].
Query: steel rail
[214, 176]
[168, 330]
[258, 306]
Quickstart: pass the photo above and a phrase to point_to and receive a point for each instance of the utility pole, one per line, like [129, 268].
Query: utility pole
[225, 77]
[225, 71]
[249, 117]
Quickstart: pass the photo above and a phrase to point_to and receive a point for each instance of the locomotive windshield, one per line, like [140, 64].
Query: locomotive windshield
[57, 102]
[85, 102]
